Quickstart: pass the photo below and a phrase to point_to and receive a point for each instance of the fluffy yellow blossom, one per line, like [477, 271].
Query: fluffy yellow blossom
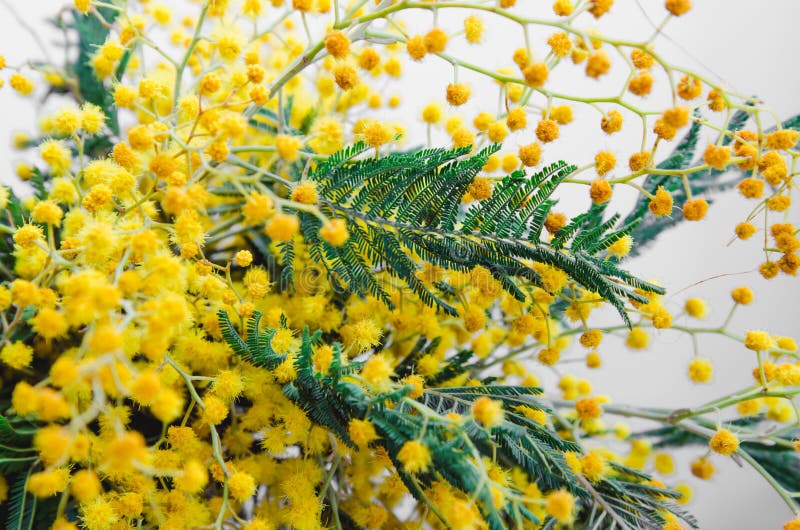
[536, 74]
[288, 147]
[717, 157]
[702, 469]
[241, 485]
[435, 40]
[700, 370]
[593, 466]
[346, 76]
[547, 131]
[560, 506]
[432, 113]
[588, 409]
[563, 8]
[48, 483]
[689, 88]
[415, 456]
[376, 134]
[47, 212]
[598, 64]
[337, 44]
[21, 84]
[243, 258]
[611, 122]
[487, 412]
[416, 47]
[305, 193]
[600, 191]
[530, 154]
[192, 478]
[516, 119]
[214, 410]
[678, 7]
[457, 94]
[641, 84]
[67, 121]
[695, 209]
[85, 486]
[473, 29]
[757, 340]
[376, 372]
[696, 308]
[283, 227]
[621, 247]
[637, 339]
[742, 295]
[56, 155]
[17, 355]
[604, 162]
[724, 442]
[560, 44]
[362, 432]
[49, 323]
[334, 232]
[782, 139]
[591, 338]
[362, 335]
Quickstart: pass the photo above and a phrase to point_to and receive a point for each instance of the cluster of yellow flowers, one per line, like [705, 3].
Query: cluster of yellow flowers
[120, 264]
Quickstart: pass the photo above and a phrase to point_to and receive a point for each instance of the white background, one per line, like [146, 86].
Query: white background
[751, 46]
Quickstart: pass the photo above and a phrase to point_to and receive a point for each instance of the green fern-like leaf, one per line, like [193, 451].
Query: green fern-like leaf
[334, 399]
[407, 205]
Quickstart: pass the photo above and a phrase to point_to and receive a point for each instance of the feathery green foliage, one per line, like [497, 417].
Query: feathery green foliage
[458, 447]
[408, 204]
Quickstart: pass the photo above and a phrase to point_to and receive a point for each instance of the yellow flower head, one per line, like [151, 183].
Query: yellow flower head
[488, 412]
[415, 456]
[560, 505]
[362, 432]
[724, 442]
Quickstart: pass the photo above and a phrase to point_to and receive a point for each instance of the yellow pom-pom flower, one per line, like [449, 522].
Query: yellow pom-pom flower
[415, 456]
[724, 442]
